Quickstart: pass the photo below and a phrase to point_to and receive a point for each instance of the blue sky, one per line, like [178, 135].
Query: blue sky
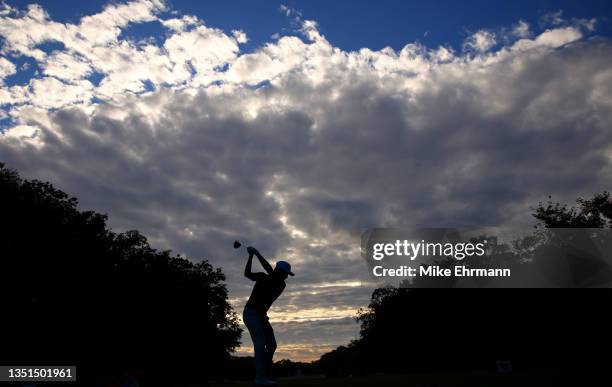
[354, 24]
[349, 25]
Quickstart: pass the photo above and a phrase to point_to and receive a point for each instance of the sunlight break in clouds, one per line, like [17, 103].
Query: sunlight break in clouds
[299, 145]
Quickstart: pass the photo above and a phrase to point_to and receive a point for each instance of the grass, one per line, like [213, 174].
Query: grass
[489, 379]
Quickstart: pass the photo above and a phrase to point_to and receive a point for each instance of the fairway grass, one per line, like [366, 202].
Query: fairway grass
[488, 379]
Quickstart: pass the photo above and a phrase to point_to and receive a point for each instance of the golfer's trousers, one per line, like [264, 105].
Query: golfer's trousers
[263, 339]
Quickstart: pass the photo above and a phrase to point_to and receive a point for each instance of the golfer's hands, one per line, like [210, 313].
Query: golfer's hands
[252, 250]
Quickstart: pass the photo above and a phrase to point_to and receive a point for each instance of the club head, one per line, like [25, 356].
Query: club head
[237, 244]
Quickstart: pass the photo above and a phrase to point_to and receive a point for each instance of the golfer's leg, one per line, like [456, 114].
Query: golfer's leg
[270, 344]
[254, 324]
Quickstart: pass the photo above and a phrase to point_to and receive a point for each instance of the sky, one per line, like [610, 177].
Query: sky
[294, 126]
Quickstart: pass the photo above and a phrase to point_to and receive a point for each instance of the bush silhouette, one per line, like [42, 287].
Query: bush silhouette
[591, 213]
[416, 329]
[75, 291]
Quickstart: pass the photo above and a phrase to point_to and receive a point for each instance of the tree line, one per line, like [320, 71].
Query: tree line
[76, 292]
[411, 329]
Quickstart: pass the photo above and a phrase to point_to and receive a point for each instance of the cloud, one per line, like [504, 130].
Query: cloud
[240, 36]
[552, 18]
[558, 37]
[66, 67]
[191, 52]
[481, 41]
[311, 30]
[180, 24]
[6, 68]
[299, 145]
[556, 20]
[24, 31]
[290, 11]
[521, 29]
[105, 26]
[285, 9]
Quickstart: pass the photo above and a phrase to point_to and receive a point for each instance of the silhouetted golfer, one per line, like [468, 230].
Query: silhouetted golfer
[266, 290]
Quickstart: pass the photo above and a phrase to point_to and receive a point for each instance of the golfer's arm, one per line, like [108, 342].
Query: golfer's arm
[247, 269]
[267, 267]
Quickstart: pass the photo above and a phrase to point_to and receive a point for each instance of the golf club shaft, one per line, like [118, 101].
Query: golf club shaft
[242, 247]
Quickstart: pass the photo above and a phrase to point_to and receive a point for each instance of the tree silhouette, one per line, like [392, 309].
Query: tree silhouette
[593, 213]
[75, 291]
[417, 329]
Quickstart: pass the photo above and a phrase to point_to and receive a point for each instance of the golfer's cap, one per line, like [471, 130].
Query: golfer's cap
[284, 266]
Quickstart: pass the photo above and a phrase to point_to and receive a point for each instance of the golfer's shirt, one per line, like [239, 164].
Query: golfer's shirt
[265, 292]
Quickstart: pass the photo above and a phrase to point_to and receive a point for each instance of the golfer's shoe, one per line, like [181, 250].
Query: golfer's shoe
[265, 382]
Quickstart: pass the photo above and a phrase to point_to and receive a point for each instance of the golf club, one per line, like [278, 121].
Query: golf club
[238, 245]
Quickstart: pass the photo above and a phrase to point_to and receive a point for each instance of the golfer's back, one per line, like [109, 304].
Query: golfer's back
[266, 290]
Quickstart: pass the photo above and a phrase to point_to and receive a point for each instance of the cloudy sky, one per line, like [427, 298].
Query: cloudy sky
[295, 126]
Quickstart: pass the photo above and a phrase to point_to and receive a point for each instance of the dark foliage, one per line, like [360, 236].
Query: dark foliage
[425, 330]
[592, 213]
[241, 368]
[76, 292]
[288, 368]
